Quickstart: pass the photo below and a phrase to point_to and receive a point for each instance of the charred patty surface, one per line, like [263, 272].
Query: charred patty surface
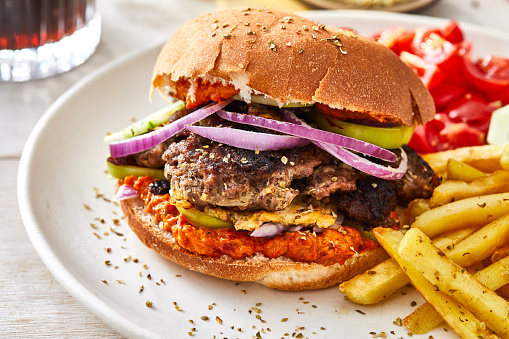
[418, 182]
[207, 173]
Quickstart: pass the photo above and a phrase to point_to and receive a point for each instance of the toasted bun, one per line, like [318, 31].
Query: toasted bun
[291, 59]
[281, 273]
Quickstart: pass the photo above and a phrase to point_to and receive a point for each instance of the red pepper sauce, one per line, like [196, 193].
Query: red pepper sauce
[204, 92]
[326, 248]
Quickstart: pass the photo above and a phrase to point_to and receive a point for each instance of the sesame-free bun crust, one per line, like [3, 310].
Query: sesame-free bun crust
[281, 273]
[292, 59]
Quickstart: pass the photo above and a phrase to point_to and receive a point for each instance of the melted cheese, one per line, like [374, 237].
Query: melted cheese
[301, 211]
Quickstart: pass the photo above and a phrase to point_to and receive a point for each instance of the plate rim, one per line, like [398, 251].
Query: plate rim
[400, 7]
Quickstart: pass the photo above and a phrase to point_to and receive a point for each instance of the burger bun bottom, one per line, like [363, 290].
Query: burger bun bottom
[280, 273]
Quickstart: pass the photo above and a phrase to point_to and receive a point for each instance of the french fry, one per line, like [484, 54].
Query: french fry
[383, 280]
[454, 190]
[425, 318]
[485, 158]
[500, 253]
[455, 281]
[504, 291]
[449, 239]
[376, 284]
[458, 317]
[468, 212]
[416, 208]
[481, 244]
[504, 159]
[494, 276]
[458, 170]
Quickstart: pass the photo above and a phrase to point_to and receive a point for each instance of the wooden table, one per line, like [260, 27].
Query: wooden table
[32, 302]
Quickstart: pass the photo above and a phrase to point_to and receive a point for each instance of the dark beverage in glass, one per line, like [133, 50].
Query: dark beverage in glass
[36, 36]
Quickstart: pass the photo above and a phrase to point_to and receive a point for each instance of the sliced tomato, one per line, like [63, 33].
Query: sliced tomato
[452, 32]
[398, 39]
[501, 96]
[462, 135]
[429, 73]
[446, 92]
[388, 37]
[494, 67]
[434, 48]
[494, 81]
[469, 107]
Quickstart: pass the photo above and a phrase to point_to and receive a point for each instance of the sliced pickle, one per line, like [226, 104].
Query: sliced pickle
[120, 172]
[200, 219]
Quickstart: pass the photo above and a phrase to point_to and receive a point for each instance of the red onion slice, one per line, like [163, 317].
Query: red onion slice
[247, 139]
[154, 138]
[360, 163]
[310, 133]
[125, 192]
[366, 166]
[268, 229]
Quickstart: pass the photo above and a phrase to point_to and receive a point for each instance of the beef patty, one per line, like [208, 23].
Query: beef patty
[204, 173]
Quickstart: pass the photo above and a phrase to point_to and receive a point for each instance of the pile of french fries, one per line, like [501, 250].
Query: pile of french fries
[456, 250]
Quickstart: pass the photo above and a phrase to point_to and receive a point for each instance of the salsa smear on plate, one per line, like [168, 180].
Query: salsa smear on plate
[466, 90]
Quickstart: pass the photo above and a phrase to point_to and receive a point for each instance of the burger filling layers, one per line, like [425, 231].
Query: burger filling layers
[305, 193]
[327, 248]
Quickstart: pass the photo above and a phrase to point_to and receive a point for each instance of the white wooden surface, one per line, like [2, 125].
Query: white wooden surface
[32, 303]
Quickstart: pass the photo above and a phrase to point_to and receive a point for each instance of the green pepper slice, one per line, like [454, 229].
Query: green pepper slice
[365, 234]
[124, 171]
[146, 124]
[200, 219]
[386, 137]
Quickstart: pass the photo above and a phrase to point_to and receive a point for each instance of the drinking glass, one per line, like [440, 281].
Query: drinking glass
[40, 38]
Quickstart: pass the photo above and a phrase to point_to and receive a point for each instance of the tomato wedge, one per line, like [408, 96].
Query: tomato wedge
[465, 90]
[486, 76]
[429, 73]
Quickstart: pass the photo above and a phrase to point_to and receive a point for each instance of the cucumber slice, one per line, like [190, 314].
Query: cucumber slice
[386, 137]
[124, 171]
[200, 219]
[499, 127]
[146, 124]
[261, 99]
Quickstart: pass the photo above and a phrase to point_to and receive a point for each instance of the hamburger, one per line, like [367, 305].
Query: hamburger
[283, 146]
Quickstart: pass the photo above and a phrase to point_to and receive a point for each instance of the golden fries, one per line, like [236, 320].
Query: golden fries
[504, 291]
[460, 319]
[481, 244]
[383, 280]
[454, 190]
[458, 170]
[416, 208]
[463, 271]
[425, 318]
[447, 241]
[504, 159]
[455, 281]
[375, 285]
[464, 213]
[500, 253]
[485, 158]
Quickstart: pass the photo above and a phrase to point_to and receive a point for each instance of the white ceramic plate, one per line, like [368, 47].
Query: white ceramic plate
[61, 182]
[402, 6]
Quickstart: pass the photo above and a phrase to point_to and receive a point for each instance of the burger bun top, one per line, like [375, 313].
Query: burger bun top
[292, 59]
